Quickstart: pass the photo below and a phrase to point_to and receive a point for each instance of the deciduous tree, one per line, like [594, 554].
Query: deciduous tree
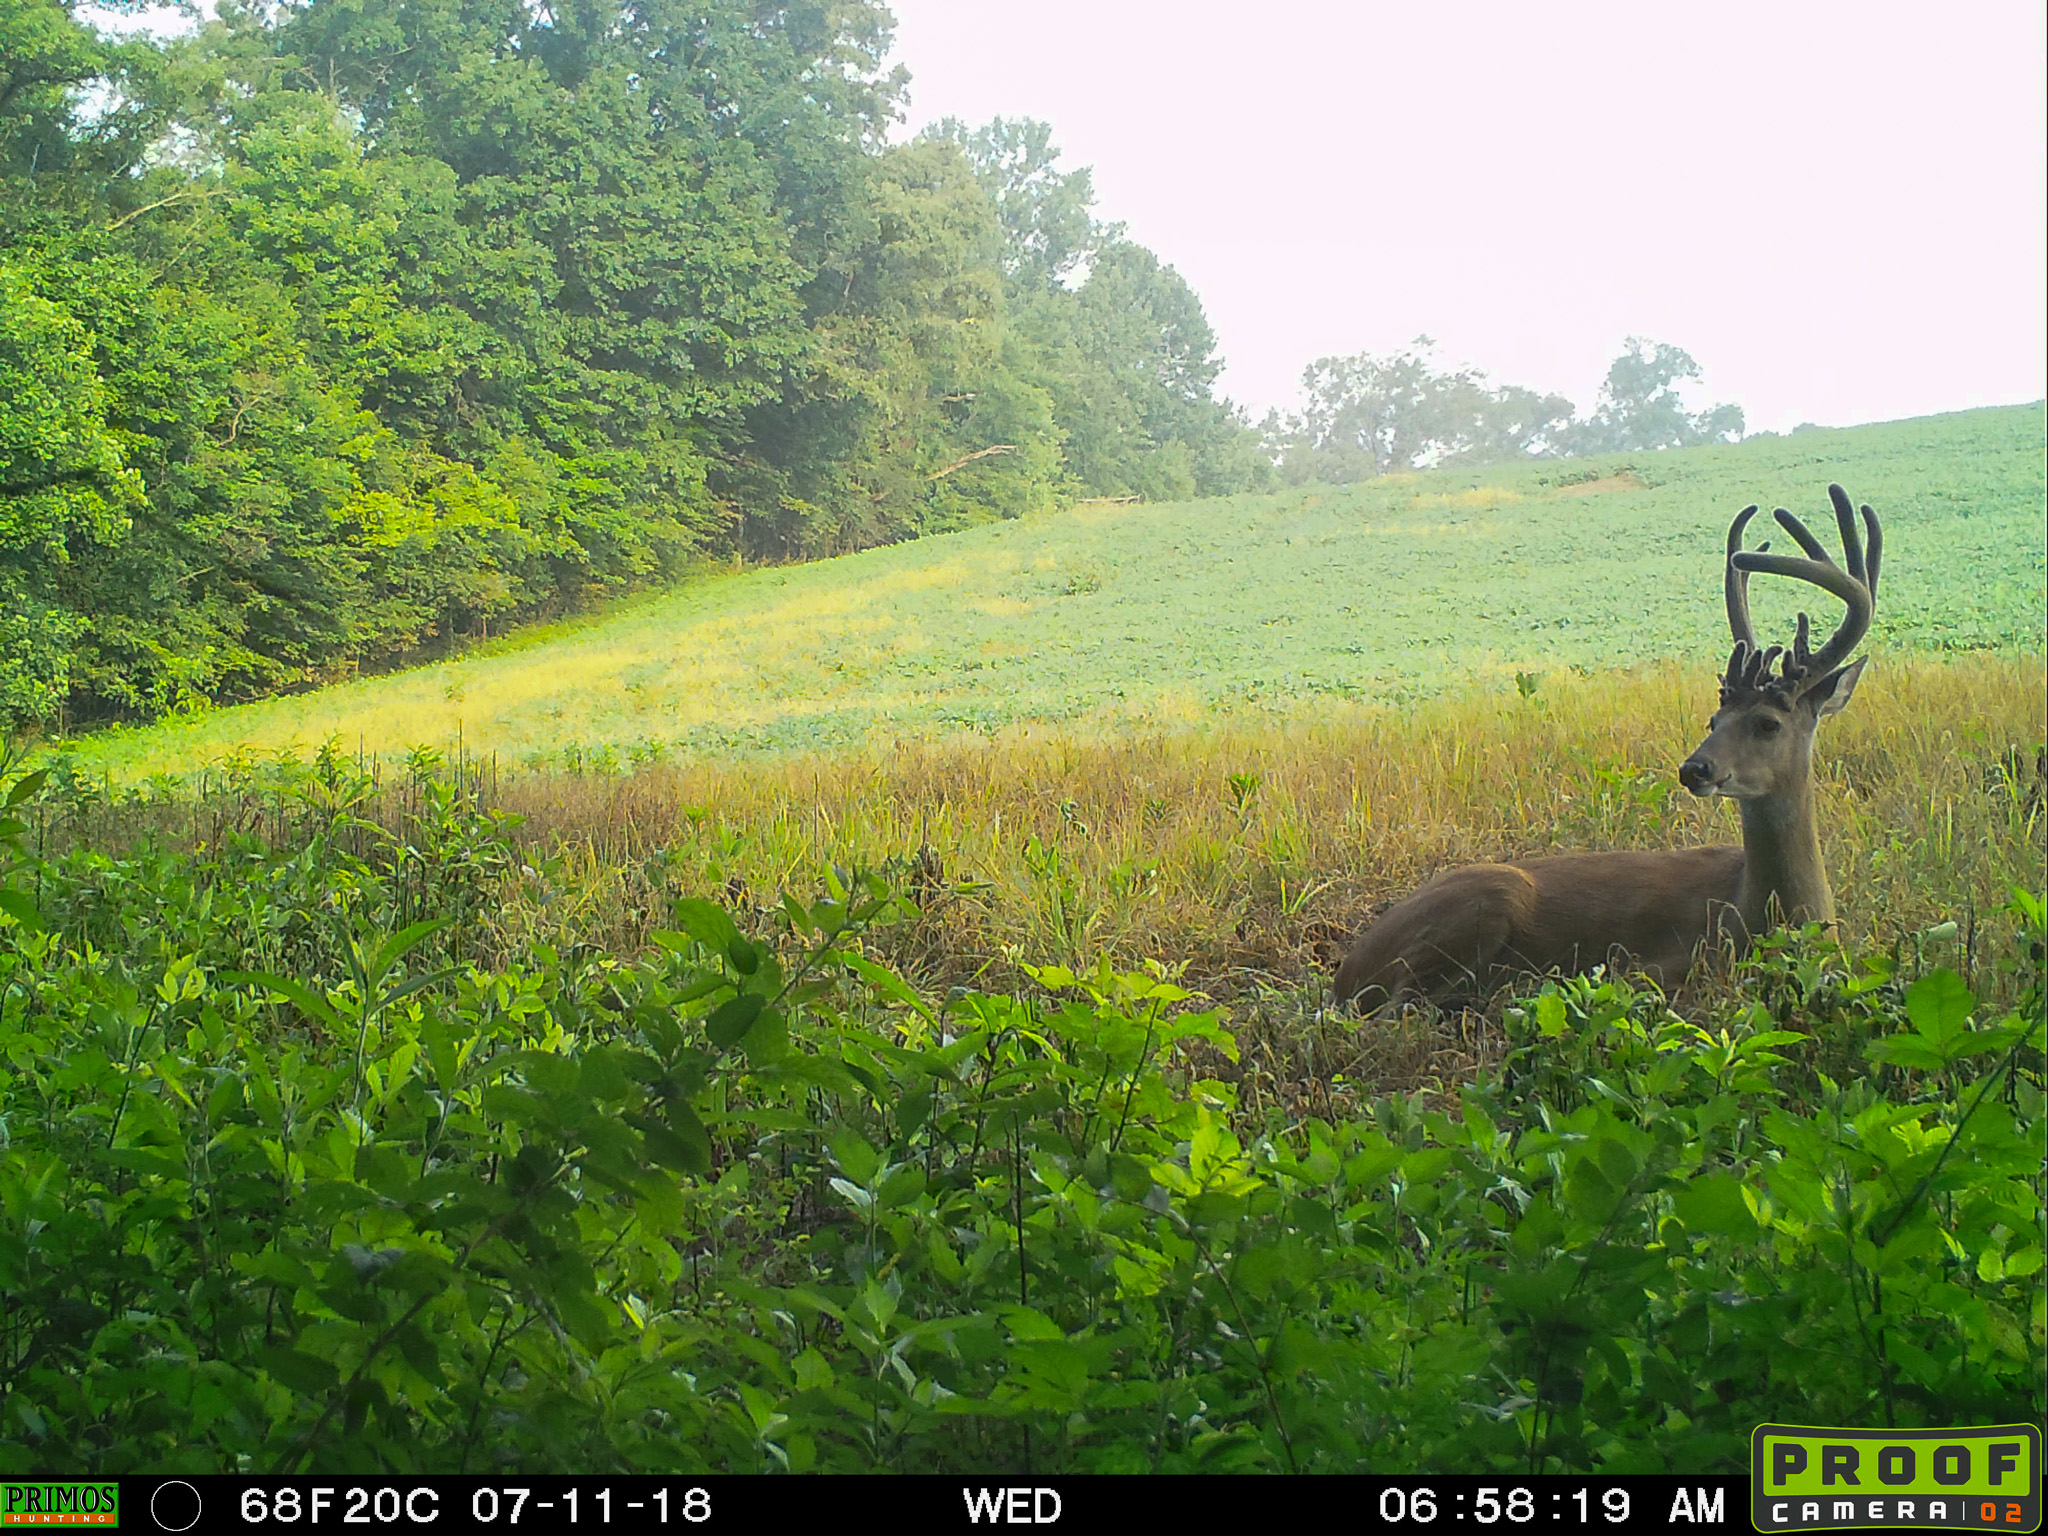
[1640, 407]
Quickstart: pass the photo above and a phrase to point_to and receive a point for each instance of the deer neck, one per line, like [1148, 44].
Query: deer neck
[1781, 860]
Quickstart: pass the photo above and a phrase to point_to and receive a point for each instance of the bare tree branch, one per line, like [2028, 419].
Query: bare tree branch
[979, 453]
[188, 196]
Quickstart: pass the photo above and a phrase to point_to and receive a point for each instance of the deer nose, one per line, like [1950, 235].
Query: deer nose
[1697, 774]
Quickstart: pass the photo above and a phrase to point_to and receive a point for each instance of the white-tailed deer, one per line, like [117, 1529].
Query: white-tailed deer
[1471, 927]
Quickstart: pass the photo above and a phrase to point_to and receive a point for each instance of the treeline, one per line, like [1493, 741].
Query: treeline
[1378, 415]
[339, 330]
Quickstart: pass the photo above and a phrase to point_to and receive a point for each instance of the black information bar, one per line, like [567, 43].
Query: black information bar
[502, 1504]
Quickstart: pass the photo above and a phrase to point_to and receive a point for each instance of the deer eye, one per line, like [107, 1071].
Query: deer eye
[1767, 724]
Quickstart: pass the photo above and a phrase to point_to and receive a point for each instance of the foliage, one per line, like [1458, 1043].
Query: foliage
[1155, 428]
[1640, 410]
[1368, 416]
[1115, 341]
[384, 324]
[294, 1180]
[52, 121]
[1048, 228]
[63, 484]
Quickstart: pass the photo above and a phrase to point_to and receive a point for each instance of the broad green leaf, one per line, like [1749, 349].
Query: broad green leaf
[17, 905]
[860, 1199]
[853, 1154]
[1939, 1006]
[904, 1183]
[887, 982]
[414, 984]
[307, 1375]
[417, 1347]
[731, 1019]
[705, 922]
[687, 1151]
[300, 996]
[766, 1039]
[402, 942]
[1714, 1203]
[441, 1051]
[1907, 1051]
[26, 787]
[1426, 1166]
[1028, 1324]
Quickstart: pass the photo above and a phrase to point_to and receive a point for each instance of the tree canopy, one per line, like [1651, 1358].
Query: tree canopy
[1640, 409]
[1368, 415]
[339, 330]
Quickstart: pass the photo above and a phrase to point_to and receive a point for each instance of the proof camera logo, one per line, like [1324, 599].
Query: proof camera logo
[1808, 1479]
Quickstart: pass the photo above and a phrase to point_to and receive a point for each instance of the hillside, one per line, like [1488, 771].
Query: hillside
[1384, 591]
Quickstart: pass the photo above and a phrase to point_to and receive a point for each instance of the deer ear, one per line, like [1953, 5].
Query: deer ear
[1832, 692]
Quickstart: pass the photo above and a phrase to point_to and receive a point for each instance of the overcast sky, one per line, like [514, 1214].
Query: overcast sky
[1837, 208]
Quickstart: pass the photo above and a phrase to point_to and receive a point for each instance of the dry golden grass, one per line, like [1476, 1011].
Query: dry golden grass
[1251, 854]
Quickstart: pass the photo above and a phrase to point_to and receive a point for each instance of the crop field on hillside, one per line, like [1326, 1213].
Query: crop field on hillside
[1144, 616]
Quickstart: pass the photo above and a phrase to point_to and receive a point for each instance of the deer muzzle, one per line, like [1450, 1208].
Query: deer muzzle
[1697, 774]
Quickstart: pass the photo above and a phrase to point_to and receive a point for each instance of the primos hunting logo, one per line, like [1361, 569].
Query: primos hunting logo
[1805, 1479]
[35, 1506]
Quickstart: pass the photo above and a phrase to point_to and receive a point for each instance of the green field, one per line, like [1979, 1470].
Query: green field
[1155, 614]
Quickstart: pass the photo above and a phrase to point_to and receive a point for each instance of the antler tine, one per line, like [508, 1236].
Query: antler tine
[1873, 549]
[1852, 547]
[1738, 586]
[1813, 547]
[1736, 658]
[1849, 585]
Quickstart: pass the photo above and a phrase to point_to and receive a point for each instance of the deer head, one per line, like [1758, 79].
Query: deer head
[1759, 745]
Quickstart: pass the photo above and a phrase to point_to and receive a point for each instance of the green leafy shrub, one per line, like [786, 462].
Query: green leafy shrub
[293, 1174]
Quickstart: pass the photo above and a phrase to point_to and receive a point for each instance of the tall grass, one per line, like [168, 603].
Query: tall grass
[1250, 855]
